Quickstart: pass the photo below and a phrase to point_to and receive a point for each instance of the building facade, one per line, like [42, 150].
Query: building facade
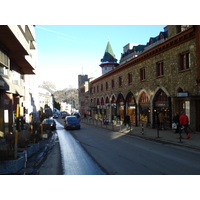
[18, 60]
[162, 76]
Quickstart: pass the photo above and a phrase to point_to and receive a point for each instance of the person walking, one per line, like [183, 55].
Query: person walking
[176, 121]
[184, 121]
[127, 122]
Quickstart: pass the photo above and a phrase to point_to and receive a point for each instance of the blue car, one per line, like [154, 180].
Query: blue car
[72, 122]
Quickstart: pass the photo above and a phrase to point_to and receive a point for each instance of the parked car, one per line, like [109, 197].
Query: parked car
[64, 114]
[49, 124]
[55, 115]
[77, 114]
[72, 122]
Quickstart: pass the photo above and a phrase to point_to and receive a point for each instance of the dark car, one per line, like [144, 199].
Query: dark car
[72, 122]
[49, 124]
[64, 114]
[55, 115]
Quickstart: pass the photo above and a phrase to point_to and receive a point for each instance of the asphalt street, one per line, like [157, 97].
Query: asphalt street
[97, 151]
[122, 154]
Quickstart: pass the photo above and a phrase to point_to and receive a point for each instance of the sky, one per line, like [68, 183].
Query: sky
[65, 51]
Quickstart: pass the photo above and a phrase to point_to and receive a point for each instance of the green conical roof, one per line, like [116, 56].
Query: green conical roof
[109, 56]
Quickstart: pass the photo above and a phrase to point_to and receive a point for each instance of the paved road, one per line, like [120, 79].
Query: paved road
[68, 157]
[75, 160]
[127, 155]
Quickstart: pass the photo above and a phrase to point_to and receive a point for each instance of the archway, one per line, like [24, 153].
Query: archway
[162, 103]
[102, 107]
[144, 108]
[131, 107]
[113, 108]
[120, 106]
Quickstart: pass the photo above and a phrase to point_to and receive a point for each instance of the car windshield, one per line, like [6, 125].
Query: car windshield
[72, 119]
[49, 121]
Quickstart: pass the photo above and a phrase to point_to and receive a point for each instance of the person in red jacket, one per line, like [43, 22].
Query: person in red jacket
[184, 121]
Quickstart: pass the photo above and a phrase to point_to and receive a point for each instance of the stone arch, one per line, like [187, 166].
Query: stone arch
[162, 103]
[120, 104]
[144, 108]
[131, 107]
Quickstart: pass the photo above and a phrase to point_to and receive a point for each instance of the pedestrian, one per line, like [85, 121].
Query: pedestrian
[127, 122]
[161, 120]
[176, 121]
[184, 121]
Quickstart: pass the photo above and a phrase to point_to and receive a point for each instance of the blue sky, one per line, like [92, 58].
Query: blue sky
[65, 51]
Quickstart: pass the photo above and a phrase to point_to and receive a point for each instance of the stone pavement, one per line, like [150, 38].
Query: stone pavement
[163, 136]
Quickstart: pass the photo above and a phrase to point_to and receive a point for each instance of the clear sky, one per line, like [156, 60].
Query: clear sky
[65, 51]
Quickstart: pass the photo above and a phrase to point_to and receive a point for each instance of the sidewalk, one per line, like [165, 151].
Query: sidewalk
[163, 136]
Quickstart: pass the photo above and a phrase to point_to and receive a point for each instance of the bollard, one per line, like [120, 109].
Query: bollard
[142, 129]
[25, 160]
[180, 135]
[158, 131]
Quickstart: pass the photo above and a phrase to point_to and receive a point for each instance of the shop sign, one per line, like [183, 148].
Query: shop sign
[161, 105]
[182, 94]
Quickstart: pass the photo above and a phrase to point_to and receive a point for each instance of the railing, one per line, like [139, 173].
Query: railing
[113, 125]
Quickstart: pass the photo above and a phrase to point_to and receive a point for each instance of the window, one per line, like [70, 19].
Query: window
[142, 74]
[180, 28]
[120, 81]
[101, 87]
[97, 89]
[184, 61]
[112, 83]
[130, 78]
[106, 85]
[3, 70]
[159, 69]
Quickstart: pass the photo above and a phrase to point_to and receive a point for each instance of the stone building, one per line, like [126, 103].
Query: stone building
[164, 76]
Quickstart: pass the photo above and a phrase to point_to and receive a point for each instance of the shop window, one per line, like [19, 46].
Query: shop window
[184, 59]
[161, 97]
[130, 78]
[144, 105]
[142, 74]
[159, 69]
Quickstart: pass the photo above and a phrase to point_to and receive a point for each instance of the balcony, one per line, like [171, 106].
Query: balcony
[18, 46]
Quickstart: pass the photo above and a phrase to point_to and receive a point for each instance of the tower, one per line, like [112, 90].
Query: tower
[108, 62]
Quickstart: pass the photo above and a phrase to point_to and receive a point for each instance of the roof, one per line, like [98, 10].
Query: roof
[109, 56]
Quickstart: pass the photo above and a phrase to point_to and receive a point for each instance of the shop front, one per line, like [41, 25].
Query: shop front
[131, 108]
[144, 109]
[113, 109]
[162, 104]
[120, 107]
